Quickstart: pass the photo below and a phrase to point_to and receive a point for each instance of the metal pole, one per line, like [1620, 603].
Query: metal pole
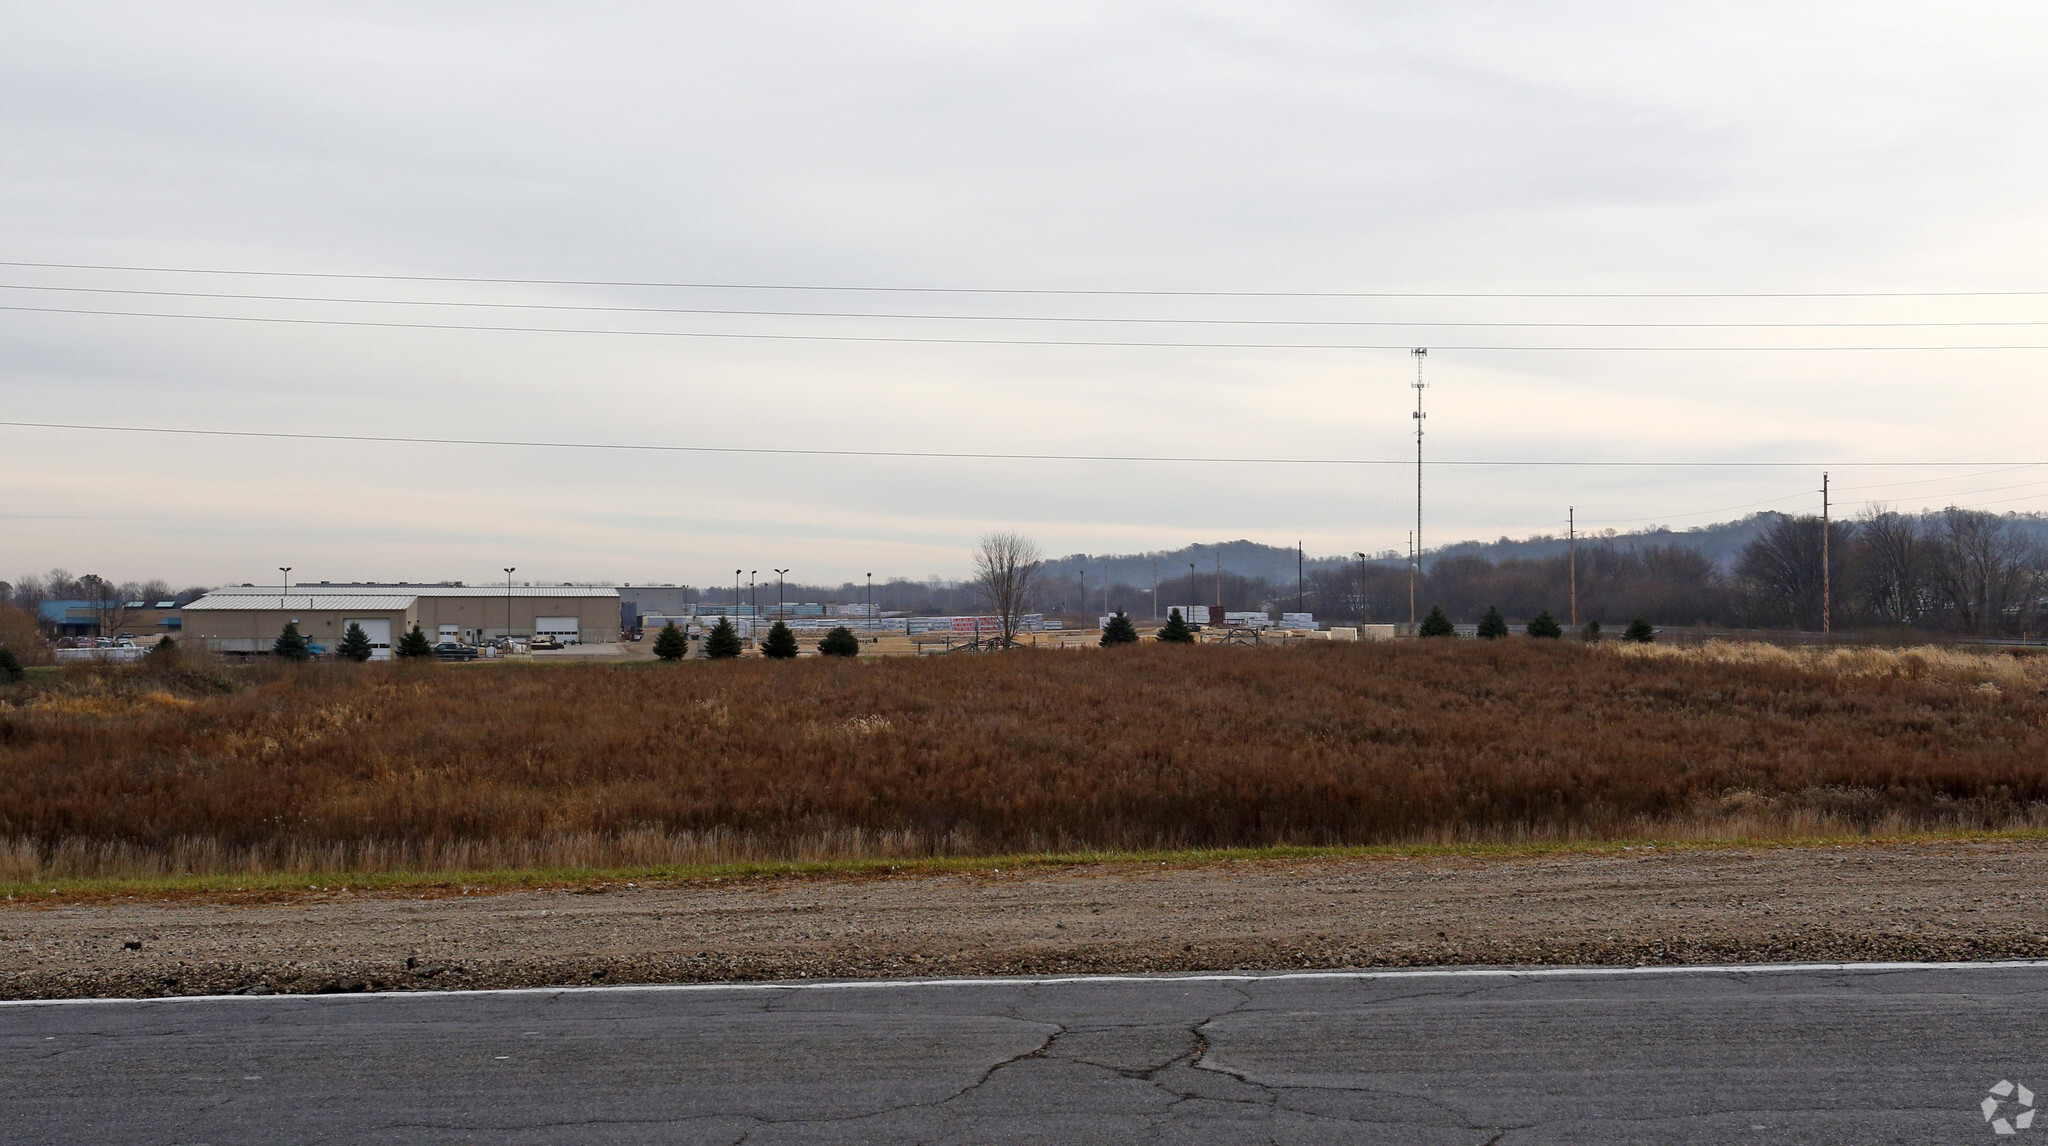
[779, 615]
[1826, 573]
[1192, 590]
[1155, 588]
[736, 592]
[871, 596]
[1300, 582]
[1361, 588]
[509, 569]
[286, 590]
[1083, 594]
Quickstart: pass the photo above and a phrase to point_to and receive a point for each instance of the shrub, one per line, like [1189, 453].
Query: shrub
[1591, 633]
[414, 644]
[354, 644]
[1493, 626]
[670, 644]
[1436, 624]
[1545, 626]
[291, 644]
[1119, 631]
[1175, 631]
[840, 642]
[10, 665]
[1639, 631]
[164, 656]
[780, 644]
[723, 642]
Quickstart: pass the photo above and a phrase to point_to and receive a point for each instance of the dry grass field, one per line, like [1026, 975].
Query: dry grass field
[110, 773]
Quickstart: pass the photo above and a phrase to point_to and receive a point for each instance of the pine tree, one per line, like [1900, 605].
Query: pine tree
[780, 644]
[1175, 631]
[1436, 624]
[670, 644]
[10, 665]
[1591, 633]
[1119, 631]
[415, 644]
[840, 642]
[723, 642]
[163, 656]
[355, 644]
[1493, 625]
[1545, 625]
[290, 644]
[1639, 631]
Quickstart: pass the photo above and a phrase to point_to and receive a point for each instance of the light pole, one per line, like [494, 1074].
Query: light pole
[1192, 590]
[871, 596]
[778, 593]
[736, 592]
[1361, 588]
[286, 589]
[753, 598]
[509, 570]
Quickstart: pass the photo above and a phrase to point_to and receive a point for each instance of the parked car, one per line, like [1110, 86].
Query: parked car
[452, 651]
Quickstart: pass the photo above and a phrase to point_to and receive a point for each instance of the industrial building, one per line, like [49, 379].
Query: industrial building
[248, 618]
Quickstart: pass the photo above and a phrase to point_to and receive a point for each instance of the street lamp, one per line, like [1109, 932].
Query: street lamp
[509, 570]
[285, 591]
[753, 598]
[778, 593]
[871, 596]
[736, 592]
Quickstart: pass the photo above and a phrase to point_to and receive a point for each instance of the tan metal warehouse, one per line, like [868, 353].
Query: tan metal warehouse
[247, 618]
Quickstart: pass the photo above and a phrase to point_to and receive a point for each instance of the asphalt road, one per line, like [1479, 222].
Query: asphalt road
[1866, 1053]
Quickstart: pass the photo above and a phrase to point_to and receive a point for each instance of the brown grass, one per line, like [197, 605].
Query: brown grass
[405, 768]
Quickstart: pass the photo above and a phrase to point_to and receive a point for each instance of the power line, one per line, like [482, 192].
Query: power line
[284, 435]
[930, 341]
[1030, 290]
[1121, 320]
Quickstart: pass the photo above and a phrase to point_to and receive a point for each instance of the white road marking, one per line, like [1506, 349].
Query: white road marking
[1064, 980]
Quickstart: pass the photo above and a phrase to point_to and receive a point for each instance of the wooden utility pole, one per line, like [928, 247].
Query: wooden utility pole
[1415, 540]
[1827, 587]
[1571, 532]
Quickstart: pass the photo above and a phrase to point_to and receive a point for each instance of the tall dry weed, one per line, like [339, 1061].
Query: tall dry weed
[402, 767]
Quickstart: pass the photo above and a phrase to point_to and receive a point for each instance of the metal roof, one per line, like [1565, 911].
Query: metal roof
[307, 602]
[411, 591]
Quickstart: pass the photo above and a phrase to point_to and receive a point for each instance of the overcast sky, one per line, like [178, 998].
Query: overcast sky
[1508, 148]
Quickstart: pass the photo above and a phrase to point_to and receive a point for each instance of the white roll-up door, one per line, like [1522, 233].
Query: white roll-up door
[378, 629]
[568, 630]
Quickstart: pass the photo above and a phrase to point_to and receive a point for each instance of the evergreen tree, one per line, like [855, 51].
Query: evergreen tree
[163, 656]
[1175, 631]
[723, 642]
[355, 644]
[780, 644]
[1639, 631]
[1493, 625]
[1436, 624]
[10, 665]
[670, 644]
[415, 644]
[291, 645]
[1545, 625]
[1591, 633]
[840, 642]
[1119, 631]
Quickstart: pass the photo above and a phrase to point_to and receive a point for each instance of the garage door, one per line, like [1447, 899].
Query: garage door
[567, 630]
[378, 630]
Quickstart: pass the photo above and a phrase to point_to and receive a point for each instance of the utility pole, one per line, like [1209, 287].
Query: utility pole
[1415, 542]
[1361, 587]
[1192, 590]
[871, 596]
[1571, 532]
[1155, 588]
[1083, 594]
[1300, 582]
[1105, 588]
[1826, 573]
[1218, 617]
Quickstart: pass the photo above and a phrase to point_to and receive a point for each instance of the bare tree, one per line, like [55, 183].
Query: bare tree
[1891, 566]
[1989, 573]
[1782, 568]
[1006, 570]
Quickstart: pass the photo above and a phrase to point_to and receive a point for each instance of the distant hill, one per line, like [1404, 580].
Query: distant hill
[1721, 542]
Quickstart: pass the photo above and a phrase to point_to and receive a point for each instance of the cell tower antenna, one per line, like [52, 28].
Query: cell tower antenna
[1415, 570]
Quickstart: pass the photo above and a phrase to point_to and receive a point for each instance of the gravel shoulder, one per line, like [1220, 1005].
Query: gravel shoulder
[1931, 901]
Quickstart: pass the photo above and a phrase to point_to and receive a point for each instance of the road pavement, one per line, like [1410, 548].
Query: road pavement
[1862, 1053]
